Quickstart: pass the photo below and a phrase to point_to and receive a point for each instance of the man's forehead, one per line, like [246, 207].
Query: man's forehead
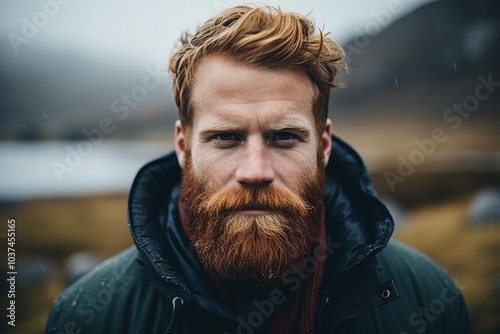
[225, 78]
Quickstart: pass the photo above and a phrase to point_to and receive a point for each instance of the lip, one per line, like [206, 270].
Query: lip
[254, 212]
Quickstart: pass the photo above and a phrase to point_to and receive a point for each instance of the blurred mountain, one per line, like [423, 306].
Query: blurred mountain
[420, 65]
[402, 71]
[56, 94]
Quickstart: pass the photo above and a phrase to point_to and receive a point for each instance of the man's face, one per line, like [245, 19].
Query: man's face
[253, 169]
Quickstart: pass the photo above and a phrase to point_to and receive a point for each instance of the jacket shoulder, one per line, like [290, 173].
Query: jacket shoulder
[109, 299]
[428, 299]
[401, 261]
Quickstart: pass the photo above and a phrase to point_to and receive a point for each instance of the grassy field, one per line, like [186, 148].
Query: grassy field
[469, 253]
[51, 230]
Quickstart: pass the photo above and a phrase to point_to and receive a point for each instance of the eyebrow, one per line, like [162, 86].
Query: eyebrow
[303, 131]
[205, 134]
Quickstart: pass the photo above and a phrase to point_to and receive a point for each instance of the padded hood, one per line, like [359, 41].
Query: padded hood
[356, 221]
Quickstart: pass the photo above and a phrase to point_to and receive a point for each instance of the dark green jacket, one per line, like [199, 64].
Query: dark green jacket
[370, 285]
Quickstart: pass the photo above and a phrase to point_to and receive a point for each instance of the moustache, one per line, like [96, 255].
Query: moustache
[282, 201]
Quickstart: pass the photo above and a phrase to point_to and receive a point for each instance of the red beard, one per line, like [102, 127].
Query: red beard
[257, 249]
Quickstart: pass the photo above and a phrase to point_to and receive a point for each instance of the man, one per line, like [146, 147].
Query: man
[260, 221]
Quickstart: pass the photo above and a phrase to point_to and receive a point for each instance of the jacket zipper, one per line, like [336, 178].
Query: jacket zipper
[176, 306]
[327, 288]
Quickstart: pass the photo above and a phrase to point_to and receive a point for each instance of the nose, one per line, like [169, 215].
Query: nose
[255, 167]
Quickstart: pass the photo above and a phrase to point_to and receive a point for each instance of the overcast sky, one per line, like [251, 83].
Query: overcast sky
[147, 30]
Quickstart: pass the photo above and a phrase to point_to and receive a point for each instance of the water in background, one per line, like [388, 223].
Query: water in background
[71, 168]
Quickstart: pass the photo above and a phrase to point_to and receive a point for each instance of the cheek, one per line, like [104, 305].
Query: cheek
[294, 171]
[215, 170]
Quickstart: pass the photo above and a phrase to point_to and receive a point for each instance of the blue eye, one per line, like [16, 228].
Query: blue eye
[226, 140]
[226, 136]
[283, 139]
[283, 136]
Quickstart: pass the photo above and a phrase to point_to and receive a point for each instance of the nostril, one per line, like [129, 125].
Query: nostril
[255, 184]
[255, 176]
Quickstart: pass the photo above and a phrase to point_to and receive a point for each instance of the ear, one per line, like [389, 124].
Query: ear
[326, 142]
[180, 143]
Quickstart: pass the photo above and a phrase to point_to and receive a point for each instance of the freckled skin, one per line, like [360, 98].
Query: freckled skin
[252, 126]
